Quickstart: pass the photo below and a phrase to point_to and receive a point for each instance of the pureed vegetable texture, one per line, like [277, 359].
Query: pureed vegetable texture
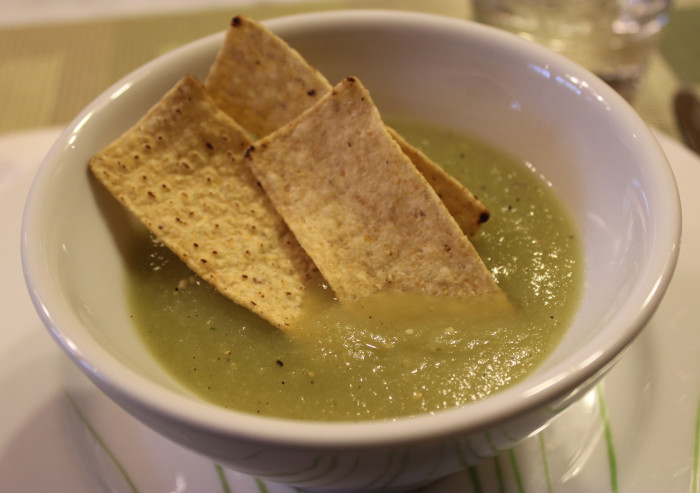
[390, 356]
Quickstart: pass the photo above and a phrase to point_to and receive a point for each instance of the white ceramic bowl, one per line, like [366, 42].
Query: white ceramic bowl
[598, 154]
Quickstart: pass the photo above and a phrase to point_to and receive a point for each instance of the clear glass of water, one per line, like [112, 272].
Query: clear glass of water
[612, 38]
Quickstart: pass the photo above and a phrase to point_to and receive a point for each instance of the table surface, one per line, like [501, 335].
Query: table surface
[57, 56]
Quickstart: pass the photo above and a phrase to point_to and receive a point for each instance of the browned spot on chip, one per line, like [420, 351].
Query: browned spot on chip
[372, 222]
[190, 138]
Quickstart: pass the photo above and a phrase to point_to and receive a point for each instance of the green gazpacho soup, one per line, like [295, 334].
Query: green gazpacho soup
[392, 355]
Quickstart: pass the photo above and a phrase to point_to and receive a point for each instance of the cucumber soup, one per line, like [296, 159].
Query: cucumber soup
[393, 354]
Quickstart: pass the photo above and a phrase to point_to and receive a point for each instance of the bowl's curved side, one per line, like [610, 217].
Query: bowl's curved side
[532, 103]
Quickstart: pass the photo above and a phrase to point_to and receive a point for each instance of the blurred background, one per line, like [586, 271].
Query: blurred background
[56, 56]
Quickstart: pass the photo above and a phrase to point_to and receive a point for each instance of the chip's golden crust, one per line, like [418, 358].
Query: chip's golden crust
[360, 208]
[465, 207]
[263, 84]
[180, 171]
[259, 80]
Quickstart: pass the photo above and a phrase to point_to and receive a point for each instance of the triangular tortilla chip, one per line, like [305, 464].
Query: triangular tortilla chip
[180, 171]
[263, 83]
[259, 80]
[358, 206]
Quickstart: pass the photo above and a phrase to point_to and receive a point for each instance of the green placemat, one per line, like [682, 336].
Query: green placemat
[676, 64]
[680, 45]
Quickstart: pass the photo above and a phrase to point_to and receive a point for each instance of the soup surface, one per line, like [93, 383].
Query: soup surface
[392, 355]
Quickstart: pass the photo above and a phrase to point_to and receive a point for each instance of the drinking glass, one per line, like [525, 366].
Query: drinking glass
[611, 38]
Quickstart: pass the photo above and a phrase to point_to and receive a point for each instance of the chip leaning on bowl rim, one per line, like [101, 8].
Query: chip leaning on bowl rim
[536, 104]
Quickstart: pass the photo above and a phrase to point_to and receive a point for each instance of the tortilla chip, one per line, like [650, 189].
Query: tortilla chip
[263, 84]
[467, 210]
[180, 171]
[359, 207]
[259, 80]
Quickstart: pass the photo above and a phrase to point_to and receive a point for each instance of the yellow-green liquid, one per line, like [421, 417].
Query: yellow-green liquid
[393, 355]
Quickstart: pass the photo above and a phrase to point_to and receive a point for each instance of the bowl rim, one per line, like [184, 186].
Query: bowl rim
[129, 387]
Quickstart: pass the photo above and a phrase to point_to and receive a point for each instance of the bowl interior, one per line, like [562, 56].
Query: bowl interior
[578, 133]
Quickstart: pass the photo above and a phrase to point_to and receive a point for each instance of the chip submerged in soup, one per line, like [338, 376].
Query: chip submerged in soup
[392, 354]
